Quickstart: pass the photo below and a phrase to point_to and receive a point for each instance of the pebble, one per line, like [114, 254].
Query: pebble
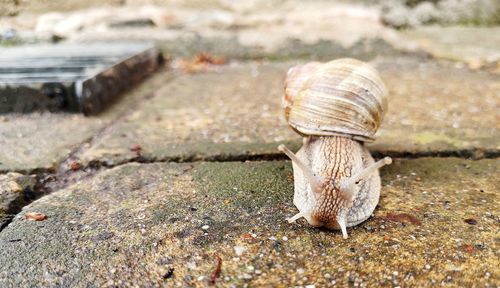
[188, 278]
[453, 268]
[427, 266]
[239, 250]
[285, 238]
[205, 227]
[300, 271]
[191, 265]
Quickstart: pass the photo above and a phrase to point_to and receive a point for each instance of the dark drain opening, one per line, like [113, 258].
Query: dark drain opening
[71, 77]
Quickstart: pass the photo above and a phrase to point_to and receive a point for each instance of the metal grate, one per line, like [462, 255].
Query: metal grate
[71, 77]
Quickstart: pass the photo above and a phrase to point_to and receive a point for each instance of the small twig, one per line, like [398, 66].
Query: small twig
[216, 273]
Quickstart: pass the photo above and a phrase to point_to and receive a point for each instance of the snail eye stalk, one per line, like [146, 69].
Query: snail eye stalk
[347, 186]
[315, 181]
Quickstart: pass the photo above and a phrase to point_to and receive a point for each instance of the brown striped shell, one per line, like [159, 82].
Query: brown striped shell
[343, 97]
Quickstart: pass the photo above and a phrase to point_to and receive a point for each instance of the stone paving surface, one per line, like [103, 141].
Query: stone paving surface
[33, 142]
[460, 43]
[131, 224]
[217, 188]
[236, 110]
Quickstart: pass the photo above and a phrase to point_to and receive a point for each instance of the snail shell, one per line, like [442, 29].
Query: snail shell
[344, 97]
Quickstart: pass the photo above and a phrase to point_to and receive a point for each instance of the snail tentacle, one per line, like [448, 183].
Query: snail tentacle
[314, 180]
[347, 186]
[296, 217]
[342, 224]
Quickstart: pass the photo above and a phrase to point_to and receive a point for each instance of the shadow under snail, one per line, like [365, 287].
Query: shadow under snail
[336, 106]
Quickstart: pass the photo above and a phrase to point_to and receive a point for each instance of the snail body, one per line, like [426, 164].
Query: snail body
[336, 106]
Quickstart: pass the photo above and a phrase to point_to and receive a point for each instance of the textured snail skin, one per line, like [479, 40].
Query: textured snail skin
[335, 158]
[336, 106]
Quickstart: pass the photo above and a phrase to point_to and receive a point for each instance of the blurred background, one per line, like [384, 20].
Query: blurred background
[278, 29]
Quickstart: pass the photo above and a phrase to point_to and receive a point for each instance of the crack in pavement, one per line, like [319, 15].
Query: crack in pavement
[51, 182]
[57, 177]
[61, 175]
[30, 194]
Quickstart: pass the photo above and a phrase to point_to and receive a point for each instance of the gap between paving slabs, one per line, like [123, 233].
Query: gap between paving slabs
[234, 113]
[39, 142]
[255, 82]
[183, 123]
[17, 191]
[91, 224]
[21, 186]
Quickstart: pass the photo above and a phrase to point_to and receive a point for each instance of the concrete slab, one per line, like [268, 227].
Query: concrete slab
[31, 142]
[167, 224]
[234, 112]
[476, 46]
[82, 78]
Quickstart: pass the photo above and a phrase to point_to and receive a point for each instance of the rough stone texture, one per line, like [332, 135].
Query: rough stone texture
[478, 47]
[40, 141]
[235, 111]
[15, 192]
[166, 224]
[130, 224]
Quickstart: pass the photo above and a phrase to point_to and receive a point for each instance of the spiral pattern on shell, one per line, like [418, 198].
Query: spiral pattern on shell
[343, 97]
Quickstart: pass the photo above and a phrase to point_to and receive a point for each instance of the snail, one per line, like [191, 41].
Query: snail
[336, 106]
